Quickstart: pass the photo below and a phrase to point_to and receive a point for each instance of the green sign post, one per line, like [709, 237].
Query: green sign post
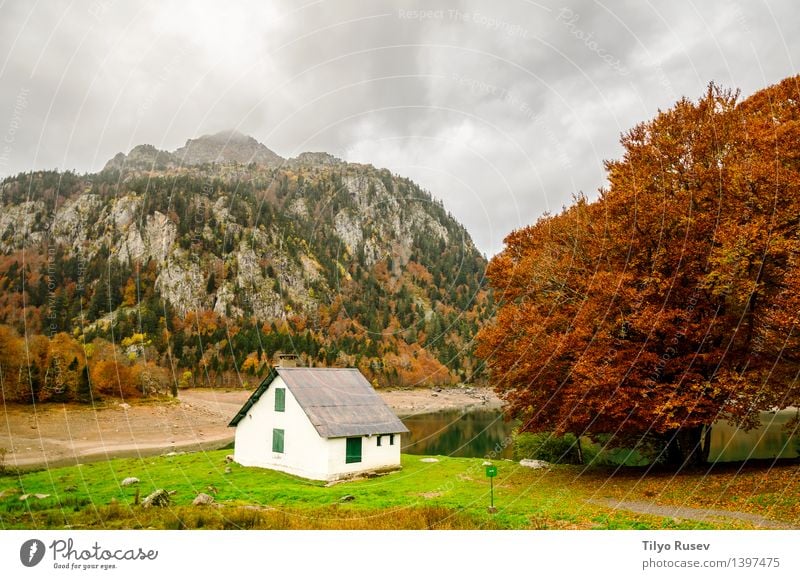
[491, 472]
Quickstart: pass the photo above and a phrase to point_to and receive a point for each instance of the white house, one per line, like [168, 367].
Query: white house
[318, 423]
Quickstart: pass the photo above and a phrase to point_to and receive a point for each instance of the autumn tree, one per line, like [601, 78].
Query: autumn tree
[12, 384]
[670, 301]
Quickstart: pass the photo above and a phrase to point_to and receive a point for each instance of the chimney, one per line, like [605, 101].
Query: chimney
[283, 360]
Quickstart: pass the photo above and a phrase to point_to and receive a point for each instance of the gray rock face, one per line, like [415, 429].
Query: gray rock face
[78, 220]
[226, 147]
[131, 480]
[181, 282]
[155, 243]
[141, 157]
[17, 224]
[314, 160]
[223, 147]
[158, 498]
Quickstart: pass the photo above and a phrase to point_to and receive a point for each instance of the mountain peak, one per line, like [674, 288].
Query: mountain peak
[226, 147]
[315, 159]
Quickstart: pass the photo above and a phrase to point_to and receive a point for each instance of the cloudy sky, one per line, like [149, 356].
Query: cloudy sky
[502, 110]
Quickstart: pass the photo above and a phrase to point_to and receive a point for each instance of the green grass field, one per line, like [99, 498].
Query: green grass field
[450, 494]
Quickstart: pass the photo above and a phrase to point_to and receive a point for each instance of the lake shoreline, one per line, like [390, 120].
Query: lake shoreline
[50, 435]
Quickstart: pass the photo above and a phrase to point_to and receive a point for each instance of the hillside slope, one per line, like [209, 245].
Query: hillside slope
[188, 271]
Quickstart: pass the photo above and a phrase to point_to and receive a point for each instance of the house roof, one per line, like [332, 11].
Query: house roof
[337, 401]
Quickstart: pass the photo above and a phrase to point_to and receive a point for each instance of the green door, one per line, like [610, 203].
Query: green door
[353, 451]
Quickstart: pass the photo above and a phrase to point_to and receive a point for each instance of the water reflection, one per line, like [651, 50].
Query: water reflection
[479, 432]
[457, 433]
[771, 440]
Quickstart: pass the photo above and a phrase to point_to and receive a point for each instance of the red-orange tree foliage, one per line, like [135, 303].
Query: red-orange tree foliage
[672, 300]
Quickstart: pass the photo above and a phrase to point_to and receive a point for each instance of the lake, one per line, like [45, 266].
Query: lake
[771, 440]
[476, 433]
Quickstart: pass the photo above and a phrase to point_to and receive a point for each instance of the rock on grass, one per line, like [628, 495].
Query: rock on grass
[203, 499]
[158, 498]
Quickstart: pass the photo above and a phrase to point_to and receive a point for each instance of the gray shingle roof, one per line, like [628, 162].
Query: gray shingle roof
[337, 401]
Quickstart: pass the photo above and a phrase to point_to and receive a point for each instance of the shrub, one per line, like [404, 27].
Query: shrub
[546, 446]
[625, 450]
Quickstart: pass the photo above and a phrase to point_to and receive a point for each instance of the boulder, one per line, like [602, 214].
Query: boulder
[158, 498]
[203, 499]
[347, 499]
[429, 459]
[131, 480]
[533, 463]
[229, 458]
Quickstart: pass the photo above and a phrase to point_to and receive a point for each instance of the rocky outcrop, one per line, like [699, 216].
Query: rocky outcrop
[78, 220]
[223, 147]
[264, 301]
[125, 211]
[181, 283]
[21, 225]
[156, 243]
[310, 159]
[226, 147]
[348, 228]
[142, 157]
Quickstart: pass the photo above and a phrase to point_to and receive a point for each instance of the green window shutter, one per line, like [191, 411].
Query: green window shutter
[280, 399]
[277, 440]
[379, 440]
[353, 450]
[391, 439]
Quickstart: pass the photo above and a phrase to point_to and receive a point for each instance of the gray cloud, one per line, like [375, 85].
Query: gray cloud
[502, 110]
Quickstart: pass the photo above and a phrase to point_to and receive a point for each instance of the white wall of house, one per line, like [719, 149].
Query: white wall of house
[373, 457]
[305, 453]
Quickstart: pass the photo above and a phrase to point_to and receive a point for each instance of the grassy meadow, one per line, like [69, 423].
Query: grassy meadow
[452, 493]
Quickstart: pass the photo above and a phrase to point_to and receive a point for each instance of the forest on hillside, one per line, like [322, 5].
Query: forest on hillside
[137, 282]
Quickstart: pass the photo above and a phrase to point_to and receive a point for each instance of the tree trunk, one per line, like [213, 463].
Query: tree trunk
[579, 449]
[685, 447]
[706, 443]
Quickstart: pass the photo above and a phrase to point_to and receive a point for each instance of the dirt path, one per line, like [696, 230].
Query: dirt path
[60, 434]
[690, 513]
